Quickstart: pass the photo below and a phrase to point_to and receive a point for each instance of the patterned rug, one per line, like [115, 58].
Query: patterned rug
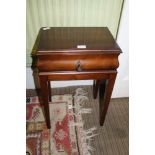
[67, 135]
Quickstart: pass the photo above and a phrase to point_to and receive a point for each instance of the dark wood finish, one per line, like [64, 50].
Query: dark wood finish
[49, 89]
[95, 88]
[45, 98]
[56, 76]
[70, 62]
[58, 56]
[62, 39]
[106, 88]
[102, 88]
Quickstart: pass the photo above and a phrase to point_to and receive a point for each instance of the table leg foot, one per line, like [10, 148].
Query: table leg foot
[45, 98]
[105, 88]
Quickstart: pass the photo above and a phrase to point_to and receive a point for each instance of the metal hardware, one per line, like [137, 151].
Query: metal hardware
[78, 66]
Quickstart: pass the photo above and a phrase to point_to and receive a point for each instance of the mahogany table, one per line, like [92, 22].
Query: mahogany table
[76, 53]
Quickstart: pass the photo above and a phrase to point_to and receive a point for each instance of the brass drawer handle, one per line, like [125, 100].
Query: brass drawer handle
[78, 66]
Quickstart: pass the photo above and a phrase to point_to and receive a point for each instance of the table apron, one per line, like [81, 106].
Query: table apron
[57, 76]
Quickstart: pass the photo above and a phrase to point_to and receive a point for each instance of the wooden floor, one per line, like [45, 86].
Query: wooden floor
[113, 138]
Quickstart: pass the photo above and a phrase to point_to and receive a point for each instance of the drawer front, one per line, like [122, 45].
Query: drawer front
[77, 62]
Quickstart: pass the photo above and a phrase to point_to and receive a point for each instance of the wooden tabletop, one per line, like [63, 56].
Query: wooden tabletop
[61, 39]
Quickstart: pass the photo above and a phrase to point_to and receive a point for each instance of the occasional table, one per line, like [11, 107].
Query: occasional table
[76, 53]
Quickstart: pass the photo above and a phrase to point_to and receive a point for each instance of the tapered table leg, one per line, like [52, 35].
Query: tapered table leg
[45, 98]
[95, 88]
[49, 90]
[105, 88]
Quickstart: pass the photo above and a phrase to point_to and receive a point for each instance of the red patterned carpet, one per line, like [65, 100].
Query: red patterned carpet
[66, 136]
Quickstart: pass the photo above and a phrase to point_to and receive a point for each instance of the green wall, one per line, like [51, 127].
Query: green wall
[69, 13]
